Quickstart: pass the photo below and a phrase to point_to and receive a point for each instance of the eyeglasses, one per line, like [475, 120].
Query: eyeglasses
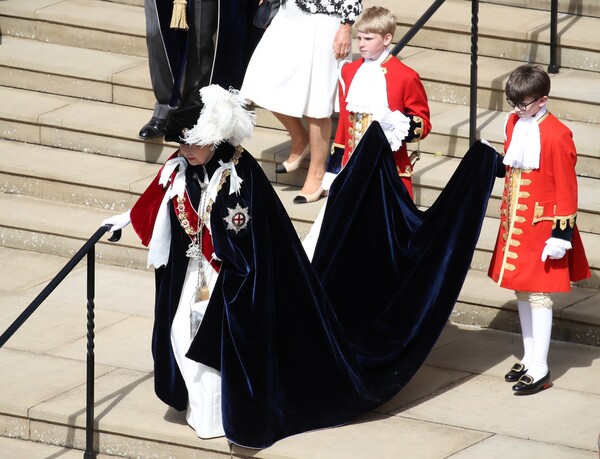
[520, 105]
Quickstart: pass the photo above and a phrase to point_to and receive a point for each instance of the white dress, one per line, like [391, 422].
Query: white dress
[203, 383]
[293, 70]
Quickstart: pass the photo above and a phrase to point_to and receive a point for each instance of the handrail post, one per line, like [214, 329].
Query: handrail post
[90, 453]
[89, 249]
[473, 82]
[416, 27]
[553, 66]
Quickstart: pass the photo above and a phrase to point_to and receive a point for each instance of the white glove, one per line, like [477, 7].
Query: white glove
[555, 248]
[395, 126]
[118, 221]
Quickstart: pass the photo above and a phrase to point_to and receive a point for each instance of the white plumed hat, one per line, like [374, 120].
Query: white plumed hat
[223, 118]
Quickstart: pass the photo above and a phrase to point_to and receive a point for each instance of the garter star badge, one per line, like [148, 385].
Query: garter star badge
[237, 218]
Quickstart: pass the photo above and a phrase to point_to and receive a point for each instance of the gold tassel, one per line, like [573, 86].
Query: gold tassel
[178, 18]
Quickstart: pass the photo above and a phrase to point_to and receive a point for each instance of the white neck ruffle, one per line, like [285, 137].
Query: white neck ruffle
[524, 149]
[368, 92]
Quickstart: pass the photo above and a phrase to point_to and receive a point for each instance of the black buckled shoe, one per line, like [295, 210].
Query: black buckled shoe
[517, 370]
[527, 385]
[153, 128]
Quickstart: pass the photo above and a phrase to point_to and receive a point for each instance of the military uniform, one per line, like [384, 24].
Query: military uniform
[536, 205]
[405, 93]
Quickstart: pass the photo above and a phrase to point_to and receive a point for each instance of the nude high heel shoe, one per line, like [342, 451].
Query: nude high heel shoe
[312, 197]
[290, 166]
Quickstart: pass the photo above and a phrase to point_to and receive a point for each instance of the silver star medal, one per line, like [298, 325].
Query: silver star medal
[237, 218]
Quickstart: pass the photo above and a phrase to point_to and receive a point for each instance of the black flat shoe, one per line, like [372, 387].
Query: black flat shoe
[527, 385]
[153, 128]
[517, 370]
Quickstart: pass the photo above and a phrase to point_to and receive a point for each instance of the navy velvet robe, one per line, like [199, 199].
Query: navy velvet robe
[302, 346]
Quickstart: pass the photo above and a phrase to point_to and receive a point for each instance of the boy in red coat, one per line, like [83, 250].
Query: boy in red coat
[538, 250]
[378, 87]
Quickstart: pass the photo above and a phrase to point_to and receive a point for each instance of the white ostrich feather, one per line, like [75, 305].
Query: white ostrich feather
[223, 118]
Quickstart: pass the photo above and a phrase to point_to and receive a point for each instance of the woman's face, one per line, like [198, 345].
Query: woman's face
[195, 154]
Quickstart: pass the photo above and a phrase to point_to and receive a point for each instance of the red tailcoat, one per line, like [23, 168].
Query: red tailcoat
[534, 202]
[405, 93]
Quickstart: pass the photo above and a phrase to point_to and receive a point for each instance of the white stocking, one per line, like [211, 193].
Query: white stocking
[526, 331]
[542, 329]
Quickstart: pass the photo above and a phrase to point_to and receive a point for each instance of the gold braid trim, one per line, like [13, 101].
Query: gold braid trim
[557, 220]
[564, 221]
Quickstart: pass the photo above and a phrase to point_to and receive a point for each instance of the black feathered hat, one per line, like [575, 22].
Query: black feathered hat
[180, 122]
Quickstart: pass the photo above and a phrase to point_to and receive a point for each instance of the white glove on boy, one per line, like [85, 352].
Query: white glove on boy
[555, 248]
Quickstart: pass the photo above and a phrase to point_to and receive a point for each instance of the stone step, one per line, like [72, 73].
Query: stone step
[93, 24]
[120, 27]
[15, 448]
[128, 2]
[575, 94]
[111, 130]
[483, 303]
[581, 8]
[505, 32]
[75, 72]
[125, 80]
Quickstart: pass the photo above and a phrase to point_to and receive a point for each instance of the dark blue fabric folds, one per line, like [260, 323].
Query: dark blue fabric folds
[393, 273]
[302, 346]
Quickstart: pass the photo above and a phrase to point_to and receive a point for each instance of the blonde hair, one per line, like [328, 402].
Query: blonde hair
[376, 19]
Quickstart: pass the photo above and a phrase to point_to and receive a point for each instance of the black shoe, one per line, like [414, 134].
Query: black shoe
[153, 128]
[527, 385]
[517, 370]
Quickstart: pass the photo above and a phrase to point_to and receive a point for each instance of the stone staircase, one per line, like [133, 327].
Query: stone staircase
[75, 90]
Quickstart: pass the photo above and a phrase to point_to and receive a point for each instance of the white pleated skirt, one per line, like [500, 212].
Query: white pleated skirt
[293, 70]
[203, 383]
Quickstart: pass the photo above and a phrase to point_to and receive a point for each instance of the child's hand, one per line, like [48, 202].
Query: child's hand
[555, 249]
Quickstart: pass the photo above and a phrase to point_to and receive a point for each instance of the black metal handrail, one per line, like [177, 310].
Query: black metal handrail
[89, 250]
[552, 68]
[474, 38]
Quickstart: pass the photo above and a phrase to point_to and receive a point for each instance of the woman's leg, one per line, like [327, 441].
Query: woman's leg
[298, 134]
[320, 133]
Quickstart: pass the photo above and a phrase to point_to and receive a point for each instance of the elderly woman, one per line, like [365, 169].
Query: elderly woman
[201, 182]
[293, 73]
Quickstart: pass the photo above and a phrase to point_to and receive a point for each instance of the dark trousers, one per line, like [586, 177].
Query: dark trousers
[181, 62]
